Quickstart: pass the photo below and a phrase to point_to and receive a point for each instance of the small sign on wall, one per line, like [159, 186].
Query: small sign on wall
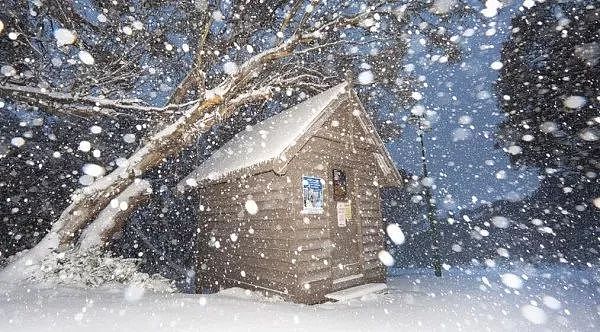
[312, 195]
[341, 214]
[348, 211]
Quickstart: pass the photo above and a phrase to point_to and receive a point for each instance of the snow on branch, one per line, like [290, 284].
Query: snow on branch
[86, 105]
[262, 93]
[96, 233]
[256, 64]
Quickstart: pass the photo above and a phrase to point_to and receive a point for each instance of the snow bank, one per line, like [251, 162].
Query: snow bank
[24, 263]
[474, 299]
[246, 294]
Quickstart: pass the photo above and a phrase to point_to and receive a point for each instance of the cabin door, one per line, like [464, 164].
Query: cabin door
[346, 266]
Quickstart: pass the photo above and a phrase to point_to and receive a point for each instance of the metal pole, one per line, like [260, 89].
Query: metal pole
[437, 261]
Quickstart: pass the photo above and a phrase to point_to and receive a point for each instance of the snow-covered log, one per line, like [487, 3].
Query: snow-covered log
[114, 216]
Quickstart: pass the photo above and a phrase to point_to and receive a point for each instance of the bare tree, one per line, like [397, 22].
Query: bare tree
[307, 32]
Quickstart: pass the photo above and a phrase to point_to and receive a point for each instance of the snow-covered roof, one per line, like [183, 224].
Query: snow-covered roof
[266, 140]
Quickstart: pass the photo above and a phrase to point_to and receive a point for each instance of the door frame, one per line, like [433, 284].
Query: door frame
[357, 222]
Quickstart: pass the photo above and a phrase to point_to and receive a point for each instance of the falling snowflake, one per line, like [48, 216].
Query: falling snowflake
[366, 77]
[129, 138]
[64, 37]
[8, 70]
[527, 138]
[461, 134]
[512, 280]
[575, 102]
[514, 149]
[251, 206]
[94, 170]
[395, 234]
[528, 3]
[137, 25]
[17, 141]
[230, 68]
[84, 146]
[465, 120]
[443, 6]
[95, 129]
[551, 302]
[496, 65]
[386, 258]
[588, 135]
[534, 314]
[491, 8]
[86, 57]
[500, 221]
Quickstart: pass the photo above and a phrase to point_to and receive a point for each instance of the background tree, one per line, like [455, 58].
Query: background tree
[549, 86]
[549, 90]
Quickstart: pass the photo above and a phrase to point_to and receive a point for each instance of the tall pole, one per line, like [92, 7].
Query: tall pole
[431, 214]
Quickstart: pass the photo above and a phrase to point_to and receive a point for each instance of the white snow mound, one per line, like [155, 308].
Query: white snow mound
[95, 268]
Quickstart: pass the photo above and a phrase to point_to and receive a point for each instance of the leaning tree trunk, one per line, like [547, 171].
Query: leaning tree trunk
[112, 219]
[89, 202]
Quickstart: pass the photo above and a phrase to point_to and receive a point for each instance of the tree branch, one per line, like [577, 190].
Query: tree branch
[196, 75]
[85, 105]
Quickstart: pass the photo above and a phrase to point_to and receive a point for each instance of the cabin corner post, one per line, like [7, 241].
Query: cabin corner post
[205, 278]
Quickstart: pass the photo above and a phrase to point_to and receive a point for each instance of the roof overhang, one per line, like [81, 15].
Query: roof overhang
[280, 163]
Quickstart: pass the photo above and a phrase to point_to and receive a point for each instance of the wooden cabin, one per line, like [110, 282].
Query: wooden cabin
[291, 205]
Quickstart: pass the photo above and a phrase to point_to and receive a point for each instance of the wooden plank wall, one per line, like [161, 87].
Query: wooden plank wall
[342, 141]
[263, 251]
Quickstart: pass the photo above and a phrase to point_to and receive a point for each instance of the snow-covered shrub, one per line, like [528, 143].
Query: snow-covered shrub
[95, 268]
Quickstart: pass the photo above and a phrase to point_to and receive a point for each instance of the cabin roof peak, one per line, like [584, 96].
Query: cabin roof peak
[272, 141]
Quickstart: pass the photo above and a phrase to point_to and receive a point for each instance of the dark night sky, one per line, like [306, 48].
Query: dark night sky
[466, 168]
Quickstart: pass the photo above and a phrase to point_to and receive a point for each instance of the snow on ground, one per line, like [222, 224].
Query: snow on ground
[557, 299]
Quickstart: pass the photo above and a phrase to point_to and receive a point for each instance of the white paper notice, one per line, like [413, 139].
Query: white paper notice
[341, 214]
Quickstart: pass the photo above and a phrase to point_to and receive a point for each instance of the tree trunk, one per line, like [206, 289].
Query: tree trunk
[95, 198]
[89, 201]
[112, 219]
